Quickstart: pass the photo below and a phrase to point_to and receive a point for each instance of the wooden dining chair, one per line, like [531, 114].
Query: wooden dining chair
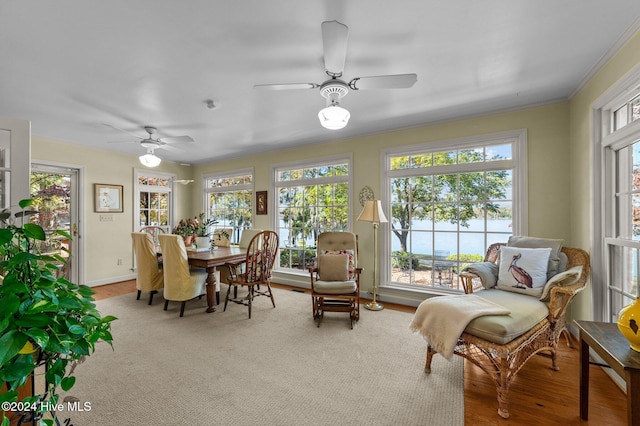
[254, 271]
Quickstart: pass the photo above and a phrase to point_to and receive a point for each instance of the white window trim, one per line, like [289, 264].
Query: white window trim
[603, 177]
[520, 192]
[136, 195]
[318, 161]
[221, 175]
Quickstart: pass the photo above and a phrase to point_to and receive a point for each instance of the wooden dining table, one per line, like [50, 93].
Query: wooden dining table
[210, 260]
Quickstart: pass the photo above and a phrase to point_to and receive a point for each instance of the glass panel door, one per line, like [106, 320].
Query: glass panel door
[55, 194]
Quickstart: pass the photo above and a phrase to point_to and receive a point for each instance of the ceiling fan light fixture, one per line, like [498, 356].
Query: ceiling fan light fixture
[149, 159]
[334, 117]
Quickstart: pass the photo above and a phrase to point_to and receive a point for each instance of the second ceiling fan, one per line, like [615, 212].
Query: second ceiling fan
[334, 41]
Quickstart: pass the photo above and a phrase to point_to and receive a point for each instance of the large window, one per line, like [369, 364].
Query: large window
[311, 198]
[153, 199]
[617, 214]
[228, 199]
[448, 203]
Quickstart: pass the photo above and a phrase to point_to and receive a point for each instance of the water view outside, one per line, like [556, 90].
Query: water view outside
[433, 258]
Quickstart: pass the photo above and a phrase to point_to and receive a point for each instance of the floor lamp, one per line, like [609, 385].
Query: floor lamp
[372, 212]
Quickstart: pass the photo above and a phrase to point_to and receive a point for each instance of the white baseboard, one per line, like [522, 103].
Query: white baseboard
[111, 280]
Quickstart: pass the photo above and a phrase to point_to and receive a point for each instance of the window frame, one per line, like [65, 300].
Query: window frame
[608, 139]
[315, 162]
[171, 208]
[244, 187]
[519, 189]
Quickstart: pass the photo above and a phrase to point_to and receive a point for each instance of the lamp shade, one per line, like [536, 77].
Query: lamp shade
[149, 159]
[334, 117]
[372, 212]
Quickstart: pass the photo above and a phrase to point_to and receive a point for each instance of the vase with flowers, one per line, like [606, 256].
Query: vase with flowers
[186, 230]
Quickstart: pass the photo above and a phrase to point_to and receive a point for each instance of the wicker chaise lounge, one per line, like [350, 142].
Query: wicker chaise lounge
[503, 356]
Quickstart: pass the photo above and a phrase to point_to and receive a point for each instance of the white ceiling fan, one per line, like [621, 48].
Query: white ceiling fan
[334, 41]
[150, 144]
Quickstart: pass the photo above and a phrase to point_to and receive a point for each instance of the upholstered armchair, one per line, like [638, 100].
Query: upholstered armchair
[149, 275]
[181, 283]
[335, 279]
[530, 282]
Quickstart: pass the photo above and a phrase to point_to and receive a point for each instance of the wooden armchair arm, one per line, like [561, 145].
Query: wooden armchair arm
[467, 281]
[560, 299]
[234, 267]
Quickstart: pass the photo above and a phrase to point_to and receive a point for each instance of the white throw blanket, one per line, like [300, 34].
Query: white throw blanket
[441, 320]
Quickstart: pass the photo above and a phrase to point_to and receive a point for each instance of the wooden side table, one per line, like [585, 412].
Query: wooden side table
[607, 341]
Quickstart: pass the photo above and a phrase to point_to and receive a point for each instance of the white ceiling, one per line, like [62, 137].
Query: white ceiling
[72, 66]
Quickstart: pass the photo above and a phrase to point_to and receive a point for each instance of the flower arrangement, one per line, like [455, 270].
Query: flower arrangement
[198, 226]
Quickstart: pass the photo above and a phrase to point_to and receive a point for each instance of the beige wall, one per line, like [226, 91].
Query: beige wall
[106, 242]
[548, 154]
[581, 150]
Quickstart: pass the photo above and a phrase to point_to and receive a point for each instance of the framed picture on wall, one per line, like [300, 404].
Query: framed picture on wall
[261, 202]
[108, 198]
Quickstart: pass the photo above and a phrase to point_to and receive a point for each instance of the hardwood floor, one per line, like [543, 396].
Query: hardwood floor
[538, 395]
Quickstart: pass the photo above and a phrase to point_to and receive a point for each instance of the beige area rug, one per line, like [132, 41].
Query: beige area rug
[277, 368]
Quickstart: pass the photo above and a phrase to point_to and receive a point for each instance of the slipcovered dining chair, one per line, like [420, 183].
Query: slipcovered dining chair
[335, 279]
[181, 283]
[149, 276]
[255, 270]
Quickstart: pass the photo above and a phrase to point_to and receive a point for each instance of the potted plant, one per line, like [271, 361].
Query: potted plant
[186, 230]
[202, 228]
[45, 320]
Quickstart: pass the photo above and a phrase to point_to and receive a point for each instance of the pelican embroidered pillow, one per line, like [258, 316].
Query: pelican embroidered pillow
[523, 270]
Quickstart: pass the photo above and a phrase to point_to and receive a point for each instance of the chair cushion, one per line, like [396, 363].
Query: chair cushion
[523, 270]
[525, 313]
[334, 287]
[333, 267]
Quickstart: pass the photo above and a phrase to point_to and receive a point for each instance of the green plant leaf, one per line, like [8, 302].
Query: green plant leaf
[5, 236]
[10, 345]
[67, 383]
[77, 329]
[9, 305]
[86, 291]
[39, 336]
[31, 230]
[43, 306]
[34, 320]
[107, 319]
[25, 203]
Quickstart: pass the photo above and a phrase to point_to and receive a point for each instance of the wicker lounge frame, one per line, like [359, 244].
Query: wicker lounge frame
[503, 361]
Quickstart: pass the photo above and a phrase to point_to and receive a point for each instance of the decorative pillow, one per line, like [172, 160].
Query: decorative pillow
[568, 277]
[333, 267]
[523, 270]
[352, 264]
[555, 258]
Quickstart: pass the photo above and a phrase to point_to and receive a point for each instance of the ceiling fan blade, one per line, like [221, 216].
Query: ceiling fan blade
[334, 40]
[122, 130]
[397, 81]
[169, 148]
[177, 139]
[287, 86]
